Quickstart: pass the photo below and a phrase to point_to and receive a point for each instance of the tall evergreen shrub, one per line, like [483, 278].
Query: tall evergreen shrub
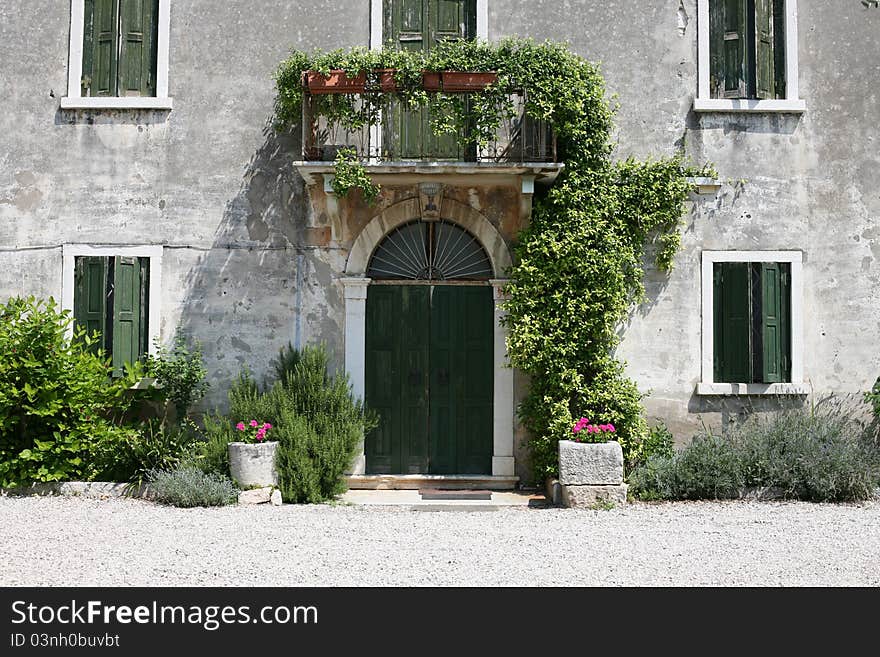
[315, 418]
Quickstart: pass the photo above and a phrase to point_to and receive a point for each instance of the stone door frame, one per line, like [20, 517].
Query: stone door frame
[355, 285]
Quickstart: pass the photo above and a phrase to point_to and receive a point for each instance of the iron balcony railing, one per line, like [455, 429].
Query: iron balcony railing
[407, 137]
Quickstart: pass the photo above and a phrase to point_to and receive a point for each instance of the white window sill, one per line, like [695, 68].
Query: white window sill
[123, 102]
[753, 389]
[705, 185]
[793, 106]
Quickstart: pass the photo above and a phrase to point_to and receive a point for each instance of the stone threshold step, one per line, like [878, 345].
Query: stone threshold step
[434, 482]
[414, 498]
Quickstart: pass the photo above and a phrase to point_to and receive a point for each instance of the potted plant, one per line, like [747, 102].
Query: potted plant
[386, 80]
[591, 466]
[337, 82]
[430, 81]
[252, 459]
[468, 80]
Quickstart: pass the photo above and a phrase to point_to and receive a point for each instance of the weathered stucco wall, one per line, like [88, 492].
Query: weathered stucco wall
[209, 179]
[250, 261]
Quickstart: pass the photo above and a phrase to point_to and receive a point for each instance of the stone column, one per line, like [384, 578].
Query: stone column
[355, 349]
[503, 411]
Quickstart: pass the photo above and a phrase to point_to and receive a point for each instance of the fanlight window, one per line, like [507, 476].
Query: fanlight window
[430, 250]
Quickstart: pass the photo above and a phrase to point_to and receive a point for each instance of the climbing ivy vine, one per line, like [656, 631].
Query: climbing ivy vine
[579, 265]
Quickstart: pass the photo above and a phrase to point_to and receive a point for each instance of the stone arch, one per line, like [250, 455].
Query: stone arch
[400, 213]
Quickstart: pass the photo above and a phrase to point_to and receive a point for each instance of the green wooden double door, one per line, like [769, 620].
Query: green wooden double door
[429, 377]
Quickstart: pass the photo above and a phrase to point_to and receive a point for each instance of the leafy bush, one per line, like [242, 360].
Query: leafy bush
[315, 419]
[872, 397]
[180, 374]
[152, 447]
[59, 406]
[821, 454]
[210, 452]
[658, 442]
[188, 486]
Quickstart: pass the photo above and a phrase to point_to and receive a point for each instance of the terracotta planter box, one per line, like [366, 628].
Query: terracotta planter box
[387, 83]
[467, 80]
[430, 81]
[335, 83]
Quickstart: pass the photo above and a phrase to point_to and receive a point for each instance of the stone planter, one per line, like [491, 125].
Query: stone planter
[591, 473]
[253, 464]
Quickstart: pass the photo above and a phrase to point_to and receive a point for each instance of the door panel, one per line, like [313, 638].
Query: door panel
[396, 373]
[461, 380]
[429, 376]
[474, 378]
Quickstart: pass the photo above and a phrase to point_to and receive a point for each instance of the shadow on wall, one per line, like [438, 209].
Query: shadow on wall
[261, 284]
[723, 410]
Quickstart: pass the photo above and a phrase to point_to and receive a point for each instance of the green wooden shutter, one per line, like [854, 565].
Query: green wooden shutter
[727, 48]
[765, 58]
[88, 48]
[732, 327]
[144, 264]
[775, 310]
[785, 318]
[127, 326]
[100, 35]
[90, 296]
[779, 47]
[137, 48]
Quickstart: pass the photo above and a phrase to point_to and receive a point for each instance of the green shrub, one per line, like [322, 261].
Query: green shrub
[59, 407]
[154, 446]
[873, 397]
[180, 374]
[819, 454]
[188, 486]
[210, 452]
[658, 442]
[315, 419]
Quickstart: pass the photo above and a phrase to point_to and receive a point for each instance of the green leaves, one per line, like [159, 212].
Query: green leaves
[179, 373]
[351, 174]
[54, 396]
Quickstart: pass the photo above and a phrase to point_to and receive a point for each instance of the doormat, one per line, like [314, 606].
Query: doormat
[436, 494]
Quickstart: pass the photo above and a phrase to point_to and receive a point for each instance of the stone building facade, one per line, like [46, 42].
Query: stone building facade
[175, 166]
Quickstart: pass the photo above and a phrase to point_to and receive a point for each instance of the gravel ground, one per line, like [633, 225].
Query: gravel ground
[121, 542]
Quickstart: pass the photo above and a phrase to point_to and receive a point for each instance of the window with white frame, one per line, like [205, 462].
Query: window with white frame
[115, 293]
[118, 54]
[747, 56]
[752, 314]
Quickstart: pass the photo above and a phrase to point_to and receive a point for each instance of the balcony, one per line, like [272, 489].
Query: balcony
[404, 137]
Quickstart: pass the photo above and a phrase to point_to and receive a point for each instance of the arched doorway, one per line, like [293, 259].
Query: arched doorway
[429, 351]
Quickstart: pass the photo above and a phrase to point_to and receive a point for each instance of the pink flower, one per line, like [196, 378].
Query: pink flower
[266, 425]
[240, 426]
[611, 428]
[254, 423]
